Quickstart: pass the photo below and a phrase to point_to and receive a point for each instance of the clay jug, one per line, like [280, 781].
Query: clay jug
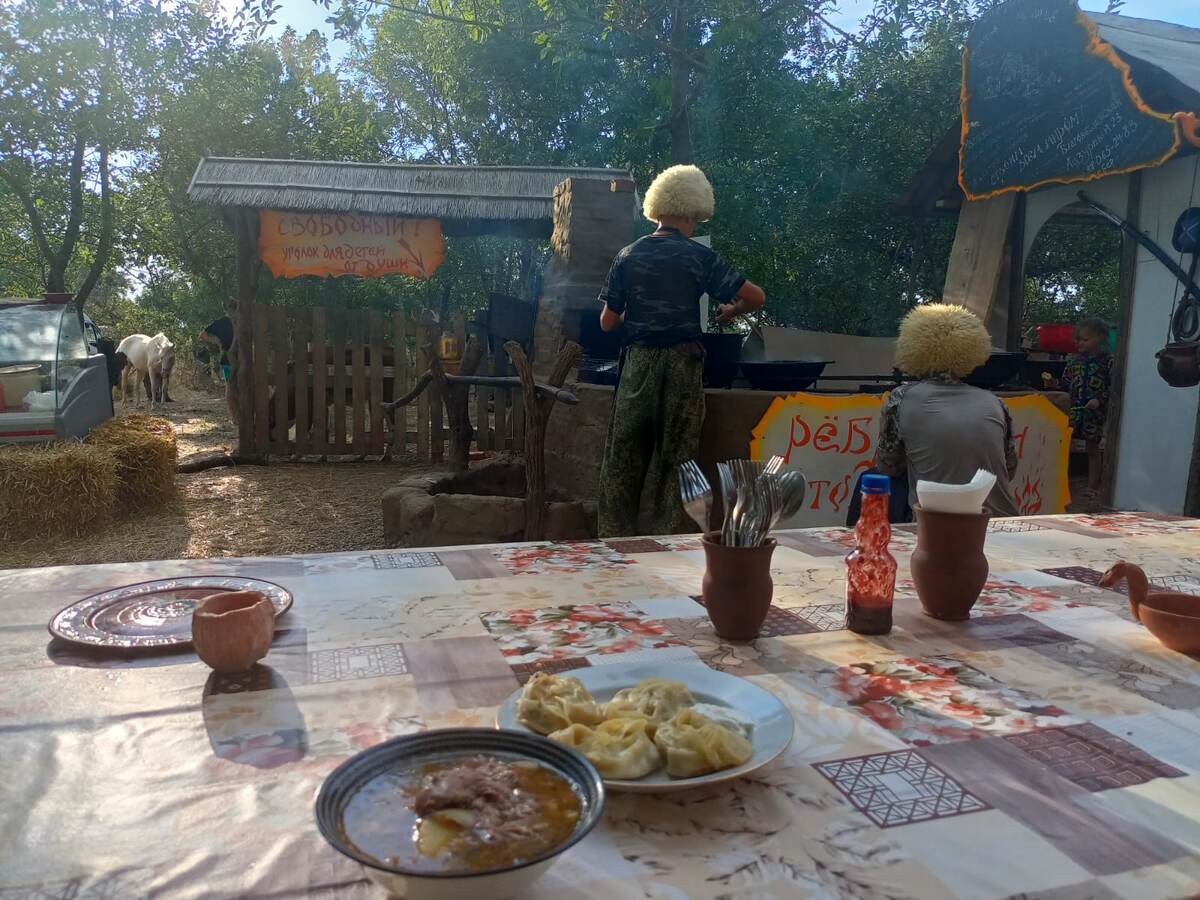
[233, 631]
[737, 587]
[948, 567]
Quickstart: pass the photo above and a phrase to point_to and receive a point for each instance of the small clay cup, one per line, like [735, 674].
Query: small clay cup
[232, 631]
[948, 567]
[737, 587]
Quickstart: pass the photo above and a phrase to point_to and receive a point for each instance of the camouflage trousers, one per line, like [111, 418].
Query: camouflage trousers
[657, 415]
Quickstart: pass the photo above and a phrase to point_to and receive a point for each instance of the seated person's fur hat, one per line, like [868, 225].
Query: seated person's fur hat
[939, 338]
[679, 191]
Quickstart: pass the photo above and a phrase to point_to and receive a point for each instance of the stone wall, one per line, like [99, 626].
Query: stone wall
[415, 515]
[593, 220]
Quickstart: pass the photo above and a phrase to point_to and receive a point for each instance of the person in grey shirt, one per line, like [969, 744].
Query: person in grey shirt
[938, 428]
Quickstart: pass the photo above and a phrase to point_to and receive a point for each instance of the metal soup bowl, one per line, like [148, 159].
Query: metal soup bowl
[442, 745]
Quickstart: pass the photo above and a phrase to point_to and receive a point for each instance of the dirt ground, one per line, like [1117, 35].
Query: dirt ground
[237, 511]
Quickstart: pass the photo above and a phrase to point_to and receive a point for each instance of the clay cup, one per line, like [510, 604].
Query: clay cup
[737, 587]
[233, 631]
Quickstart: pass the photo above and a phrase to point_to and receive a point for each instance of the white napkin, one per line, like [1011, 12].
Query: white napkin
[956, 498]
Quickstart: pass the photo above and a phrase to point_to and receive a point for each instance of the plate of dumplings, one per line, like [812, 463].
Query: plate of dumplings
[654, 728]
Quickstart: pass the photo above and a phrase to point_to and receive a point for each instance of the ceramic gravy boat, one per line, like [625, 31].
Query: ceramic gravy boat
[1171, 617]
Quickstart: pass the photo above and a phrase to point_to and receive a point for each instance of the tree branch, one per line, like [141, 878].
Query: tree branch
[31, 211]
[104, 245]
[75, 216]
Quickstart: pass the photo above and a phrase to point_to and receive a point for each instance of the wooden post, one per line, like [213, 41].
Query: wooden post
[483, 395]
[299, 320]
[358, 380]
[1120, 369]
[424, 336]
[503, 440]
[262, 387]
[977, 260]
[337, 354]
[1016, 273]
[537, 413]
[283, 381]
[375, 320]
[245, 230]
[320, 376]
[457, 397]
[399, 381]
[437, 437]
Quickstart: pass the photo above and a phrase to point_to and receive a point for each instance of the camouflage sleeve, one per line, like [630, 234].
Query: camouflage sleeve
[890, 456]
[613, 292]
[724, 281]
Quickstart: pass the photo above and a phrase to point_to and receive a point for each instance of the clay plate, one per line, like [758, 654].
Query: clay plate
[152, 614]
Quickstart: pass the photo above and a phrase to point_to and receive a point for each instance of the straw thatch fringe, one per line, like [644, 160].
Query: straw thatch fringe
[145, 454]
[455, 193]
[59, 489]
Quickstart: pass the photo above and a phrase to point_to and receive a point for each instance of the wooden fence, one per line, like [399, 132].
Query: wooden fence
[308, 403]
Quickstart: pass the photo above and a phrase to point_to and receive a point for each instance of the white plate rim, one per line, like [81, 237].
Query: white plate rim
[506, 718]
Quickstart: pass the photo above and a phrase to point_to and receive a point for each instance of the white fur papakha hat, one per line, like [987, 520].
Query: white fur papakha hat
[679, 191]
[940, 337]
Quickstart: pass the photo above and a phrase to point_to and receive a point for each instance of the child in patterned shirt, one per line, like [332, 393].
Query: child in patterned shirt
[1088, 378]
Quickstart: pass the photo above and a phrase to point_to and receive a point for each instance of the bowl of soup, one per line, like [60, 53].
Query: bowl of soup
[460, 812]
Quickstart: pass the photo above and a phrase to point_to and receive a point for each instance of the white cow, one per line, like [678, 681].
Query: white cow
[153, 356]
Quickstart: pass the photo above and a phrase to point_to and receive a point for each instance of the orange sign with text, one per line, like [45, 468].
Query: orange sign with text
[832, 440]
[298, 243]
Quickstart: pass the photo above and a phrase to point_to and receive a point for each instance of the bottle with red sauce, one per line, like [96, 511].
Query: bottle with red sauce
[870, 568]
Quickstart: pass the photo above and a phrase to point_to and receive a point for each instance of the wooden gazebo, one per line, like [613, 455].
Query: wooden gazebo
[326, 218]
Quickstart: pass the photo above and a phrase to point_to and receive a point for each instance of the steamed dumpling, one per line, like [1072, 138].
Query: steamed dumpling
[618, 748]
[653, 699]
[694, 745]
[553, 702]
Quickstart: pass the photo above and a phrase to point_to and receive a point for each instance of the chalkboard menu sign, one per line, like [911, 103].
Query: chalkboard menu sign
[1045, 100]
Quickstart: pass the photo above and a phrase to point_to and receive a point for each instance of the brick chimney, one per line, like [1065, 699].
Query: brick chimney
[593, 220]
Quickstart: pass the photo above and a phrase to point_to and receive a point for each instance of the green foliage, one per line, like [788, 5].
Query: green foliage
[809, 135]
[1072, 273]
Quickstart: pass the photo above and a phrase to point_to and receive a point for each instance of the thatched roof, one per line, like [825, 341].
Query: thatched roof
[467, 199]
[1164, 61]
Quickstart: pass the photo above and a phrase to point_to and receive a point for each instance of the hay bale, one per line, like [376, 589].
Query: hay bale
[144, 451]
[55, 490]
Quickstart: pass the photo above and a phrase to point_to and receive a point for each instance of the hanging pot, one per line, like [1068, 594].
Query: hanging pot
[1179, 364]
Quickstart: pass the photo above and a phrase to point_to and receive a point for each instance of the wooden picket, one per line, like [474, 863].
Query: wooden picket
[322, 376]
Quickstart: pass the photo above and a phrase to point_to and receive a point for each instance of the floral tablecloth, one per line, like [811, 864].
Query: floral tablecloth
[1048, 748]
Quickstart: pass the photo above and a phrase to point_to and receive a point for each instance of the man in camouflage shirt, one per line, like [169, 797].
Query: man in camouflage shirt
[654, 288]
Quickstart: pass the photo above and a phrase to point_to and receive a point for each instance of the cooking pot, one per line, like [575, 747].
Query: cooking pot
[722, 353]
[1179, 364]
[1001, 368]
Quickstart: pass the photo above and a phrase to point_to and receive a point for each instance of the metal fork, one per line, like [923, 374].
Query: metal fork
[696, 493]
[729, 498]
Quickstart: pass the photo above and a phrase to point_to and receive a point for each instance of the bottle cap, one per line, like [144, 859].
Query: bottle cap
[876, 484]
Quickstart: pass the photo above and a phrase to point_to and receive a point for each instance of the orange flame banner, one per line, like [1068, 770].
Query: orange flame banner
[832, 439]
